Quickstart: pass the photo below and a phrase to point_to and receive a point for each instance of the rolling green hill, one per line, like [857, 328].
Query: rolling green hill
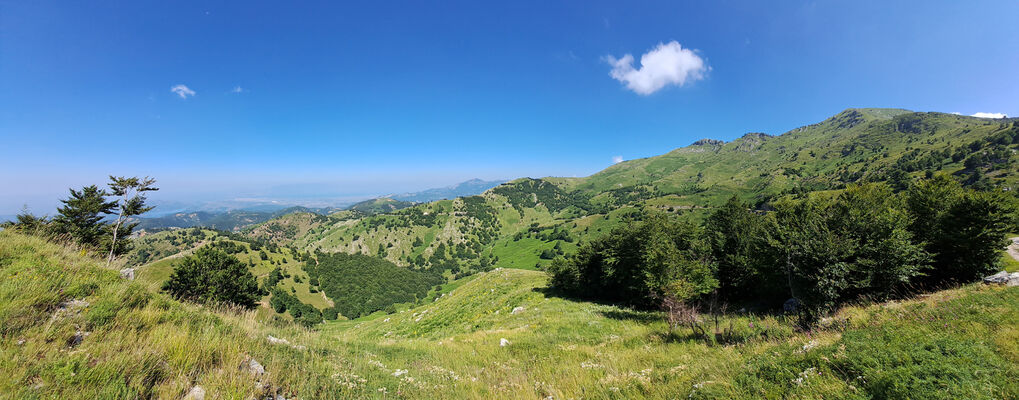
[155, 255]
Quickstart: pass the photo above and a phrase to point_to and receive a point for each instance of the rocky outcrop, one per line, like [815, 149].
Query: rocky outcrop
[1003, 278]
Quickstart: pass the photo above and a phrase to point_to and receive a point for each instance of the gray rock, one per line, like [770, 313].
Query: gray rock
[196, 393]
[127, 273]
[1013, 279]
[517, 310]
[253, 367]
[1001, 277]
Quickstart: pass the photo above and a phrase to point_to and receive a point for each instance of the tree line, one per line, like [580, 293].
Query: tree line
[810, 254]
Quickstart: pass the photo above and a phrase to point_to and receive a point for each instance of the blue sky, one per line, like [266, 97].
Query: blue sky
[344, 99]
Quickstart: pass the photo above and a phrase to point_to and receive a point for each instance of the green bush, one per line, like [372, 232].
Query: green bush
[213, 276]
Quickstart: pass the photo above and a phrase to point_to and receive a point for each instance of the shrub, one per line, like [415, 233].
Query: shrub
[212, 276]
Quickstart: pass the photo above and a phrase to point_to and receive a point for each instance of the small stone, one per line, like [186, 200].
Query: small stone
[196, 393]
[253, 367]
[275, 340]
[127, 273]
[503, 342]
[78, 337]
[21, 342]
[517, 310]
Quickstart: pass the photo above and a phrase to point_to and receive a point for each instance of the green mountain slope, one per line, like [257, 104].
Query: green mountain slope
[154, 257]
[517, 223]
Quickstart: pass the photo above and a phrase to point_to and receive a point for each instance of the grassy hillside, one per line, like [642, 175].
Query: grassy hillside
[70, 329]
[960, 343]
[852, 145]
[155, 255]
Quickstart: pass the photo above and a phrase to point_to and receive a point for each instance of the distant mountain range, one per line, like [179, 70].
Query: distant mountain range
[232, 220]
[221, 217]
[468, 188]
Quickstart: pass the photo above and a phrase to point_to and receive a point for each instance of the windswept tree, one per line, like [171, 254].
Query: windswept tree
[130, 202]
[81, 217]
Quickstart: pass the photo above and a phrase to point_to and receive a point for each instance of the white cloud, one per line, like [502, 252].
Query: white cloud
[989, 115]
[667, 64]
[182, 91]
[237, 89]
[617, 159]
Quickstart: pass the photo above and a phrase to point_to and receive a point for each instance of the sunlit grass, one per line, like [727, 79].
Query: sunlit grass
[954, 344]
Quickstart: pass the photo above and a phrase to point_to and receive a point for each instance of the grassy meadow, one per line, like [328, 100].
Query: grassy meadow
[960, 343]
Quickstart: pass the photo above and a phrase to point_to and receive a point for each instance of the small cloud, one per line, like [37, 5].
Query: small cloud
[237, 89]
[617, 159]
[667, 64]
[989, 115]
[182, 91]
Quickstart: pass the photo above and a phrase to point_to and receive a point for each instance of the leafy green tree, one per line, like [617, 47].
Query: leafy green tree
[639, 263]
[131, 202]
[964, 230]
[885, 255]
[739, 244]
[215, 277]
[80, 218]
[837, 250]
[814, 265]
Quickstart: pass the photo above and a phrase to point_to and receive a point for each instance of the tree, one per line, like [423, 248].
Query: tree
[215, 277]
[739, 244]
[639, 264]
[964, 230]
[27, 222]
[81, 216]
[836, 250]
[885, 255]
[131, 203]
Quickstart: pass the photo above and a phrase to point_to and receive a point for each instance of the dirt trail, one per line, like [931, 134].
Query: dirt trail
[1013, 248]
